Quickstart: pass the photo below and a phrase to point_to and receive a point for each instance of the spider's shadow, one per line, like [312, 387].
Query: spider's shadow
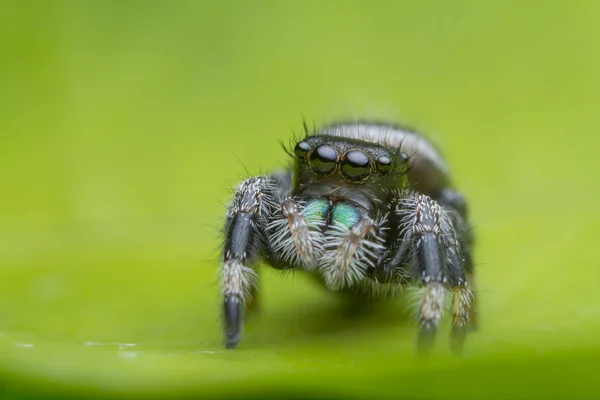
[343, 314]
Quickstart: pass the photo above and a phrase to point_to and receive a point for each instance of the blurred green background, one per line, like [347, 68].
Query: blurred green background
[124, 124]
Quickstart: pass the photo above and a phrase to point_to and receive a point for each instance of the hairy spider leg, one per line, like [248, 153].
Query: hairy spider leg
[261, 225]
[420, 247]
[431, 264]
[247, 213]
[460, 268]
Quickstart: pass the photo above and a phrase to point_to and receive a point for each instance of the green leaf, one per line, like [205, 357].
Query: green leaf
[122, 125]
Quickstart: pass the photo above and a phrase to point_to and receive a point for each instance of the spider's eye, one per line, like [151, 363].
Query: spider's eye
[301, 150]
[323, 160]
[384, 164]
[355, 165]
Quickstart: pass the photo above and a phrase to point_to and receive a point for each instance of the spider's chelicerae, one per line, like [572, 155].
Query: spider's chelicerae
[367, 207]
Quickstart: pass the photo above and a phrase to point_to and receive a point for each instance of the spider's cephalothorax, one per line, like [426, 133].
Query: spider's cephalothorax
[367, 207]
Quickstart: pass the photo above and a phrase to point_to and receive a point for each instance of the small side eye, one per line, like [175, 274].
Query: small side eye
[384, 164]
[323, 160]
[355, 165]
[301, 150]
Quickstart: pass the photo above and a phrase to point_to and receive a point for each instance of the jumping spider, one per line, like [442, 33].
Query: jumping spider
[367, 208]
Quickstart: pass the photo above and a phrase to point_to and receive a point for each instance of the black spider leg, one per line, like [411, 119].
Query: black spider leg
[281, 185]
[262, 222]
[430, 265]
[245, 225]
[418, 254]
[433, 240]
[458, 243]
[391, 264]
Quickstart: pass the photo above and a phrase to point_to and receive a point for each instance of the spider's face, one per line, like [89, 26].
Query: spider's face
[329, 165]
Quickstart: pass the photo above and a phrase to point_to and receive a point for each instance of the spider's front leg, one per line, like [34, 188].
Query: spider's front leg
[434, 243]
[245, 228]
[264, 222]
[430, 263]
[457, 240]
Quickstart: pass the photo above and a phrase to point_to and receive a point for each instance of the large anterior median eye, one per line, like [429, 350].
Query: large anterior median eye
[323, 160]
[355, 165]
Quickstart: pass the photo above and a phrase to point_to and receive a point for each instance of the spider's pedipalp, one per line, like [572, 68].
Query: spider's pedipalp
[353, 244]
[295, 234]
[350, 251]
